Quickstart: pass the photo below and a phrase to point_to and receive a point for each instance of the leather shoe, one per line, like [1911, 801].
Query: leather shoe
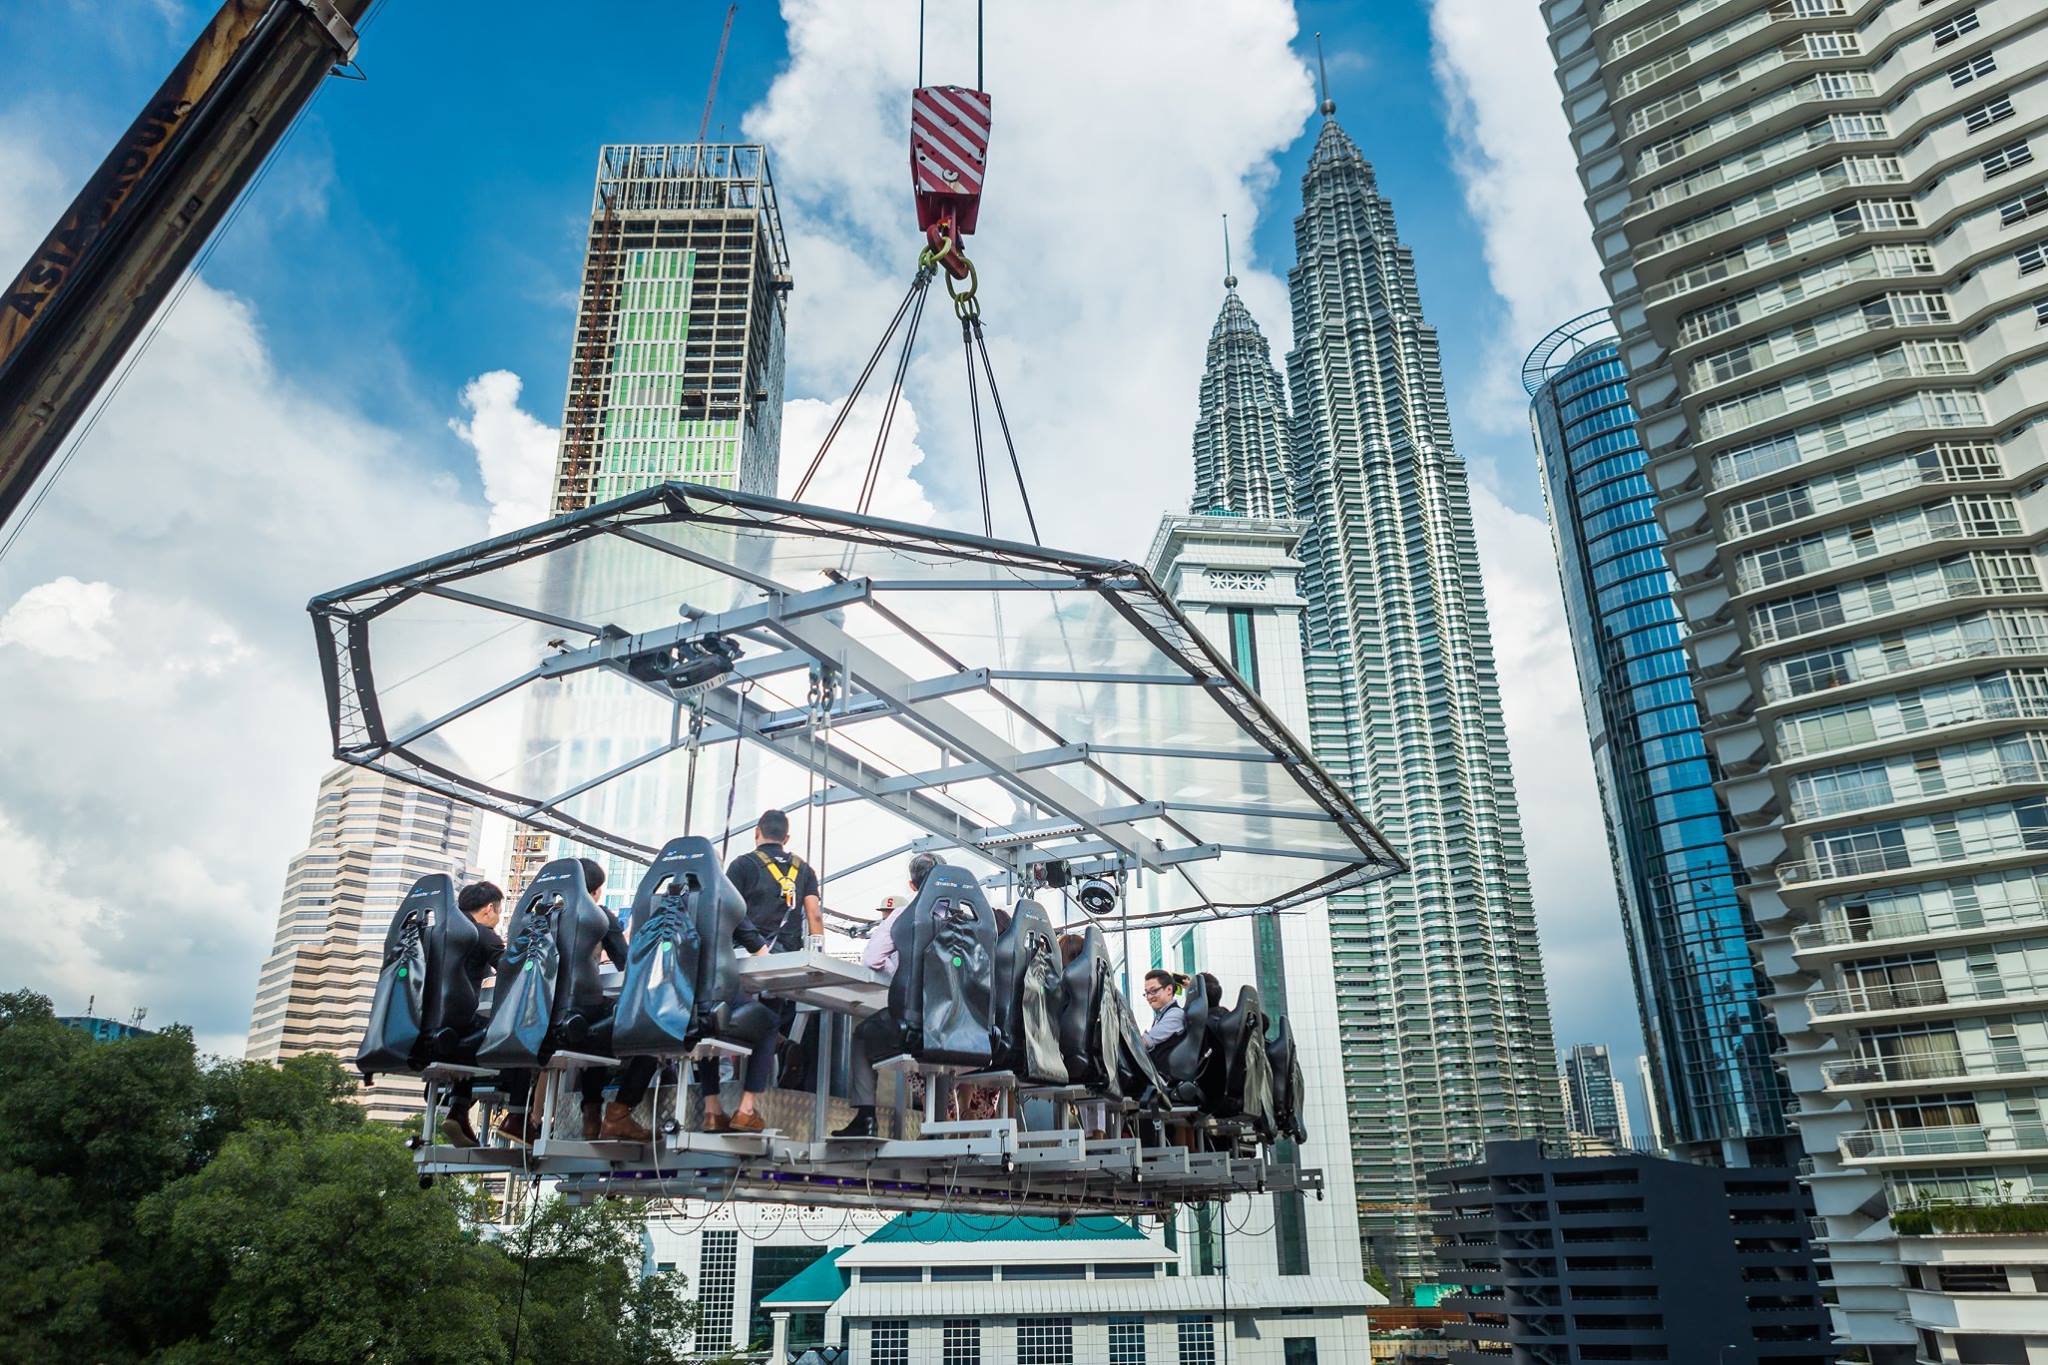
[455, 1128]
[620, 1125]
[861, 1126]
[714, 1123]
[744, 1122]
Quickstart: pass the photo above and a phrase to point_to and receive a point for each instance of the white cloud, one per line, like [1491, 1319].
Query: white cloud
[1514, 155]
[61, 619]
[155, 637]
[898, 494]
[515, 451]
[1100, 257]
[1592, 998]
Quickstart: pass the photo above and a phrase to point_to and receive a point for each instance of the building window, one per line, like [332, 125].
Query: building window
[2010, 157]
[889, 1342]
[2041, 312]
[1244, 648]
[2032, 258]
[1979, 66]
[1952, 29]
[960, 1342]
[718, 1264]
[1045, 1341]
[2026, 206]
[1298, 1351]
[1984, 115]
[1126, 1341]
[1197, 1341]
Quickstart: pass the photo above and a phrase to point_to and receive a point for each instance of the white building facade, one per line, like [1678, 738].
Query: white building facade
[1824, 227]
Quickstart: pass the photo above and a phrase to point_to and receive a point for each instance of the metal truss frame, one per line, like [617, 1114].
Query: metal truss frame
[792, 632]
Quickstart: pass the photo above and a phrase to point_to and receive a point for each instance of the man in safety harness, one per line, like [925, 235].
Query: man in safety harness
[781, 892]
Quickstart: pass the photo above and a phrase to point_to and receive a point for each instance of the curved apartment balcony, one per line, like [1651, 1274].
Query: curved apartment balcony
[1861, 1003]
[1882, 795]
[1964, 1140]
[1916, 658]
[1791, 745]
[1947, 925]
[1966, 1066]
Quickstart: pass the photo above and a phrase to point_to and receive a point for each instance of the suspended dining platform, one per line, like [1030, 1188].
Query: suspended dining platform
[1051, 723]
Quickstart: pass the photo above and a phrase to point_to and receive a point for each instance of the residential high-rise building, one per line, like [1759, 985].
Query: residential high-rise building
[1824, 226]
[1708, 1034]
[373, 837]
[1598, 1106]
[1242, 444]
[676, 372]
[1443, 1017]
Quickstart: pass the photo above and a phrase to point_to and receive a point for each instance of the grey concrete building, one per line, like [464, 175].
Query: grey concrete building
[1627, 1257]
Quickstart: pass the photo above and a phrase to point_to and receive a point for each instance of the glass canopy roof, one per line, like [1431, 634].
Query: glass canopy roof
[673, 661]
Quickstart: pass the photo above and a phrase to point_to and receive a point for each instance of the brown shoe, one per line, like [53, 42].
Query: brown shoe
[620, 1125]
[522, 1126]
[746, 1122]
[714, 1123]
[455, 1128]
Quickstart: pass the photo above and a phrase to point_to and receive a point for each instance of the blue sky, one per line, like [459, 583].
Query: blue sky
[424, 226]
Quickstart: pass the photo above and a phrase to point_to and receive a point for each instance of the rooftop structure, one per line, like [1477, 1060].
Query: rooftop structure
[1243, 460]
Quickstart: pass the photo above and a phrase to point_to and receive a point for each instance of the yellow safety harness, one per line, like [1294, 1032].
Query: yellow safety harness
[784, 879]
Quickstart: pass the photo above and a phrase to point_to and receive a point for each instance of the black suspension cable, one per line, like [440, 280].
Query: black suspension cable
[974, 410]
[996, 397]
[868, 485]
[917, 287]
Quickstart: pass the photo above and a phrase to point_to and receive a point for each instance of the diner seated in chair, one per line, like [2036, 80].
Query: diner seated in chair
[412, 1001]
[1184, 1057]
[941, 996]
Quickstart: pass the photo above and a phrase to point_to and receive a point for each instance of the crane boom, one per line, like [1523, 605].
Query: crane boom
[94, 283]
[717, 65]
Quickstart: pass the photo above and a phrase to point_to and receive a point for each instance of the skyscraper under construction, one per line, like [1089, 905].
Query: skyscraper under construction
[677, 363]
[676, 372]
[1445, 1022]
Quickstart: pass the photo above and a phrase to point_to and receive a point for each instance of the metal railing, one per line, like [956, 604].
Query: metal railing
[1790, 745]
[1955, 1140]
[1950, 1064]
[1880, 928]
[1906, 995]
[1777, 689]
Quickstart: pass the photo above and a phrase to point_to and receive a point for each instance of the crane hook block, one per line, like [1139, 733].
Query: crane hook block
[948, 157]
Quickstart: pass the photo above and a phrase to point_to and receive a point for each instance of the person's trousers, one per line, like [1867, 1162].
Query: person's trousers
[874, 1038]
[760, 1068]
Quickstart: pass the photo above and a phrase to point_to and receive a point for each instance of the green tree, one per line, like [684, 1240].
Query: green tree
[320, 1246]
[157, 1207]
[576, 1293]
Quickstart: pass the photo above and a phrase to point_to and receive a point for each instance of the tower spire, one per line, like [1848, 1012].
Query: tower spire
[1229, 279]
[1329, 106]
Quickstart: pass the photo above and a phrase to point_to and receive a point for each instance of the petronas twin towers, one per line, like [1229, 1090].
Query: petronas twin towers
[1446, 1027]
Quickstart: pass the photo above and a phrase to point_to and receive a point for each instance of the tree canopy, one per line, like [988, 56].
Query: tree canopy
[158, 1206]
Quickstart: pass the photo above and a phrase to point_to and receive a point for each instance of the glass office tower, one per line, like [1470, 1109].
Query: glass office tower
[1709, 1037]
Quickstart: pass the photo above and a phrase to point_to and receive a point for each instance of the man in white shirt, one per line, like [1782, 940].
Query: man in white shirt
[877, 1035]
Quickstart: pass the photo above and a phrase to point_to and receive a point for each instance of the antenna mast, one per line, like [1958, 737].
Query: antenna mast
[1229, 278]
[1329, 106]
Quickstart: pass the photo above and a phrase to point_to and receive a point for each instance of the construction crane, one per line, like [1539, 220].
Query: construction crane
[95, 282]
[717, 66]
